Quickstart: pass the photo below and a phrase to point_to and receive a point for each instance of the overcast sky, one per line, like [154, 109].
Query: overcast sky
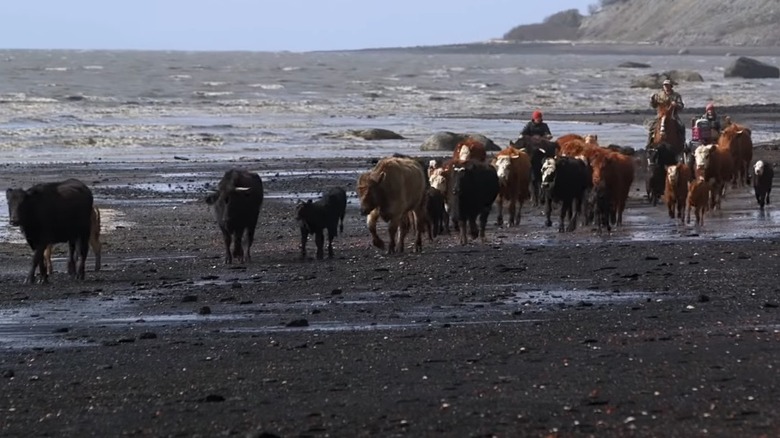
[264, 25]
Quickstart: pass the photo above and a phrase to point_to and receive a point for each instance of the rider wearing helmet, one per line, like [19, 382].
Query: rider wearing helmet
[536, 127]
[712, 117]
[667, 97]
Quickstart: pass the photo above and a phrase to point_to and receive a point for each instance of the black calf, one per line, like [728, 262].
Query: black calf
[324, 213]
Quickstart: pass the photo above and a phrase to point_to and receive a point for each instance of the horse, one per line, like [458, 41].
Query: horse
[667, 130]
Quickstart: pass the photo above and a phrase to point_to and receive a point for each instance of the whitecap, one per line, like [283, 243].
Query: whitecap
[267, 86]
[180, 77]
[93, 67]
[212, 93]
[56, 69]
[214, 83]
[290, 68]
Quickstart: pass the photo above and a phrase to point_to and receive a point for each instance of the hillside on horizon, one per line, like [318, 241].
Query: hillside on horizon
[663, 22]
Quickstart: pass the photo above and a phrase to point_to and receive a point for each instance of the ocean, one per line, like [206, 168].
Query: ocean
[129, 106]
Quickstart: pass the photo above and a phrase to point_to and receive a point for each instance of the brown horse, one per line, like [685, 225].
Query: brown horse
[667, 130]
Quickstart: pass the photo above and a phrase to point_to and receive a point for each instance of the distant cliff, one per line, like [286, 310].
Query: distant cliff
[665, 22]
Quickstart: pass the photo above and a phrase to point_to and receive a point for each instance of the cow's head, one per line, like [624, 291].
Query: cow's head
[458, 172]
[548, 172]
[672, 175]
[303, 213]
[758, 168]
[592, 139]
[464, 153]
[438, 180]
[702, 155]
[370, 192]
[503, 164]
[15, 198]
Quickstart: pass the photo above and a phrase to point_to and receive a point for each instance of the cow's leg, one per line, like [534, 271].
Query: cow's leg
[250, 239]
[512, 212]
[500, 207]
[319, 240]
[37, 262]
[226, 239]
[304, 239]
[422, 220]
[462, 231]
[238, 247]
[446, 221]
[565, 207]
[548, 212]
[71, 257]
[392, 229]
[332, 232]
[47, 259]
[94, 237]
[688, 215]
[83, 247]
[473, 229]
[483, 218]
[371, 221]
[575, 215]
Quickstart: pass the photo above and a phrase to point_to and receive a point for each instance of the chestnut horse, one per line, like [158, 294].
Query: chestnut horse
[667, 130]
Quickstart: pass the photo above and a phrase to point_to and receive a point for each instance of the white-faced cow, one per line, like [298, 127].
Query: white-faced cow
[762, 181]
[472, 190]
[237, 205]
[326, 213]
[676, 189]
[514, 176]
[51, 213]
[565, 180]
[392, 190]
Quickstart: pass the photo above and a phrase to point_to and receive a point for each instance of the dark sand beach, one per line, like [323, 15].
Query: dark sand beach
[656, 330]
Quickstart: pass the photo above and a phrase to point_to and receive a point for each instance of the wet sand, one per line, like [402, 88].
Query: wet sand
[659, 329]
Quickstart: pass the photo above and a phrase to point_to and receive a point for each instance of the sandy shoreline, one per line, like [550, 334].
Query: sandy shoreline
[656, 330]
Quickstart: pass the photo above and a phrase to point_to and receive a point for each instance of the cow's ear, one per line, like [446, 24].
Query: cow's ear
[211, 199]
[309, 202]
[381, 177]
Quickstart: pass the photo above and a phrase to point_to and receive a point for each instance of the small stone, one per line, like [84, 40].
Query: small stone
[336, 292]
[62, 330]
[298, 323]
[704, 298]
[189, 299]
[148, 335]
[205, 310]
[212, 398]
[8, 374]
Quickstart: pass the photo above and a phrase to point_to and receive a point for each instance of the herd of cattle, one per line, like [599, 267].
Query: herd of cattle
[591, 183]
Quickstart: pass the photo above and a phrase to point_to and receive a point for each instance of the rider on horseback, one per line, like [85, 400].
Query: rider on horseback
[712, 117]
[664, 98]
[536, 127]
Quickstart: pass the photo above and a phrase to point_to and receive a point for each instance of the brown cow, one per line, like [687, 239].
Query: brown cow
[513, 167]
[698, 199]
[613, 174]
[393, 189]
[470, 149]
[676, 189]
[94, 242]
[715, 164]
[739, 142]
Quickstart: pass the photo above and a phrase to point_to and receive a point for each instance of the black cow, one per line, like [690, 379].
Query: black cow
[658, 158]
[324, 213]
[438, 218]
[762, 183]
[538, 149]
[473, 188]
[237, 205]
[51, 213]
[566, 180]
